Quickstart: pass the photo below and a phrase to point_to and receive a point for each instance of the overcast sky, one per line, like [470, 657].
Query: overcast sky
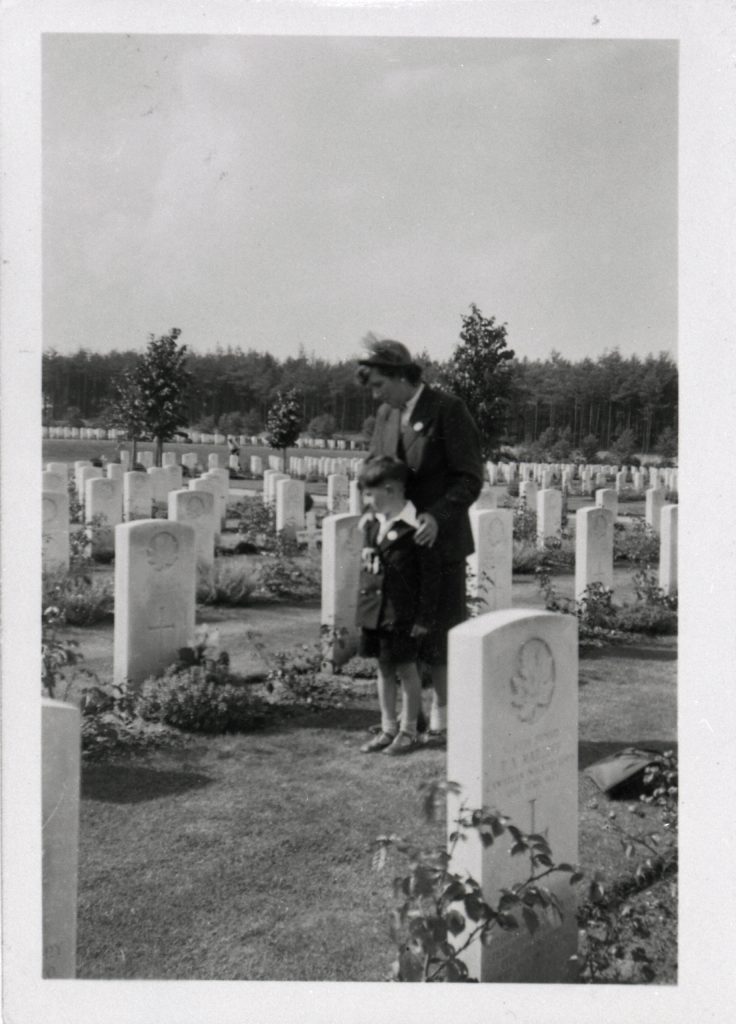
[272, 192]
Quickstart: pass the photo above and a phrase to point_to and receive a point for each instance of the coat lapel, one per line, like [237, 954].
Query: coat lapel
[390, 432]
[419, 422]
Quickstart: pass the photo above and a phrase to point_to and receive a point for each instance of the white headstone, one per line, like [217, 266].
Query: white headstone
[256, 465]
[168, 459]
[104, 499]
[337, 493]
[491, 563]
[61, 468]
[137, 496]
[189, 459]
[269, 484]
[234, 463]
[55, 530]
[174, 477]
[155, 582]
[528, 493]
[312, 532]
[197, 509]
[145, 459]
[341, 547]
[654, 499]
[222, 479]
[125, 459]
[607, 497]
[513, 748]
[60, 769]
[114, 471]
[593, 548]
[668, 549]
[213, 460]
[54, 482]
[289, 506]
[355, 498]
[549, 514]
[159, 478]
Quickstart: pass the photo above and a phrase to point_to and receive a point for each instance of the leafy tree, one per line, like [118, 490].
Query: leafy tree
[624, 446]
[666, 445]
[322, 426]
[589, 447]
[128, 410]
[478, 372]
[231, 423]
[561, 449]
[284, 421]
[163, 380]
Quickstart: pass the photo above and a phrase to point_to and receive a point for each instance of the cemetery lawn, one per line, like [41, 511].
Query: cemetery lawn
[248, 856]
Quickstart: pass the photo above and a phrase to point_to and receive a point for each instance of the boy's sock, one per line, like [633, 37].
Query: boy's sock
[438, 717]
[389, 725]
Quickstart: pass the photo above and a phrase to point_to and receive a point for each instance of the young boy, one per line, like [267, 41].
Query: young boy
[397, 599]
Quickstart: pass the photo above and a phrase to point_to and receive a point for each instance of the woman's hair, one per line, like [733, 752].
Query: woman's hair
[381, 470]
[411, 374]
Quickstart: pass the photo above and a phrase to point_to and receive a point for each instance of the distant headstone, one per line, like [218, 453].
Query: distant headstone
[137, 496]
[289, 506]
[155, 582]
[256, 465]
[114, 471]
[312, 533]
[189, 459]
[197, 509]
[222, 478]
[168, 459]
[125, 459]
[668, 549]
[549, 514]
[60, 771]
[593, 548]
[55, 530]
[145, 459]
[607, 497]
[528, 493]
[213, 460]
[654, 500]
[159, 478]
[61, 468]
[355, 498]
[341, 547]
[234, 463]
[269, 484]
[491, 563]
[337, 493]
[54, 482]
[174, 477]
[513, 748]
[104, 500]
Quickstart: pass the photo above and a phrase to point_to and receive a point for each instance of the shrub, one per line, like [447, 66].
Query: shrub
[80, 598]
[296, 677]
[652, 620]
[285, 578]
[595, 609]
[525, 522]
[200, 694]
[638, 544]
[225, 584]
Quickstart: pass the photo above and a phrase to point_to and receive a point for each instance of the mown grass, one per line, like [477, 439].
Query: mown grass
[247, 857]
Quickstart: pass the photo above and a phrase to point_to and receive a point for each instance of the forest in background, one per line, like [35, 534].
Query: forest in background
[232, 391]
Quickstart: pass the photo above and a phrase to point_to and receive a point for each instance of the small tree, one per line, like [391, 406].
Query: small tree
[128, 411]
[322, 426]
[666, 445]
[624, 446]
[163, 380]
[284, 421]
[589, 447]
[479, 372]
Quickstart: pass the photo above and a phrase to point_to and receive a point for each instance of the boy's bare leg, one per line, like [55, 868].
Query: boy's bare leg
[411, 688]
[438, 713]
[387, 689]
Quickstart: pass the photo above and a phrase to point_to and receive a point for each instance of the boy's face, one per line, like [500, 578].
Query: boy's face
[384, 498]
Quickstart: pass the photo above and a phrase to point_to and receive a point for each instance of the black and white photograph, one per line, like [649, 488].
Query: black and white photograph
[363, 360]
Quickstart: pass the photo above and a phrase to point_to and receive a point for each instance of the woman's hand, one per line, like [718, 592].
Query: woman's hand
[427, 530]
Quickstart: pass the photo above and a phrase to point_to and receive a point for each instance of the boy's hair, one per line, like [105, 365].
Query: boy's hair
[382, 470]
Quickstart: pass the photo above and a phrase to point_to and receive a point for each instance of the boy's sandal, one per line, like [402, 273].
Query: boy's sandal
[379, 742]
[435, 738]
[402, 744]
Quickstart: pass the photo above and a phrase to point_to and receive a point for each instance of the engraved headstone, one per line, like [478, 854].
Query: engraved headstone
[668, 550]
[607, 497]
[54, 482]
[145, 459]
[55, 530]
[549, 514]
[168, 459]
[593, 548]
[159, 478]
[213, 460]
[491, 563]
[155, 580]
[137, 496]
[528, 493]
[222, 479]
[103, 502]
[513, 748]
[654, 500]
[341, 547]
[289, 506]
[114, 471]
[60, 770]
[197, 508]
[256, 465]
[337, 493]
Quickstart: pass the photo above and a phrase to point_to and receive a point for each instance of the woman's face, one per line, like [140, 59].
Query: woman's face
[393, 390]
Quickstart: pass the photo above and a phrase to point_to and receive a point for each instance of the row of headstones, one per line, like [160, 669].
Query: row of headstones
[196, 437]
[590, 477]
[82, 433]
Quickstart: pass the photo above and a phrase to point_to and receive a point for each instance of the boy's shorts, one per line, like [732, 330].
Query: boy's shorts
[396, 645]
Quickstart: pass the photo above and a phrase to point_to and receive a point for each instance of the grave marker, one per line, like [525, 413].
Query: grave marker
[60, 770]
[103, 498]
[155, 581]
[654, 500]
[593, 548]
[513, 747]
[491, 563]
[137, 497]
[289, 506]
[342, 543]
[668, 550]
[55, 530]
[197, 509]
[549, 515]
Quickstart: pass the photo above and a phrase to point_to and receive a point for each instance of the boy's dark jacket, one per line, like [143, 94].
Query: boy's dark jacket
[405, 589]
[441, 447]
